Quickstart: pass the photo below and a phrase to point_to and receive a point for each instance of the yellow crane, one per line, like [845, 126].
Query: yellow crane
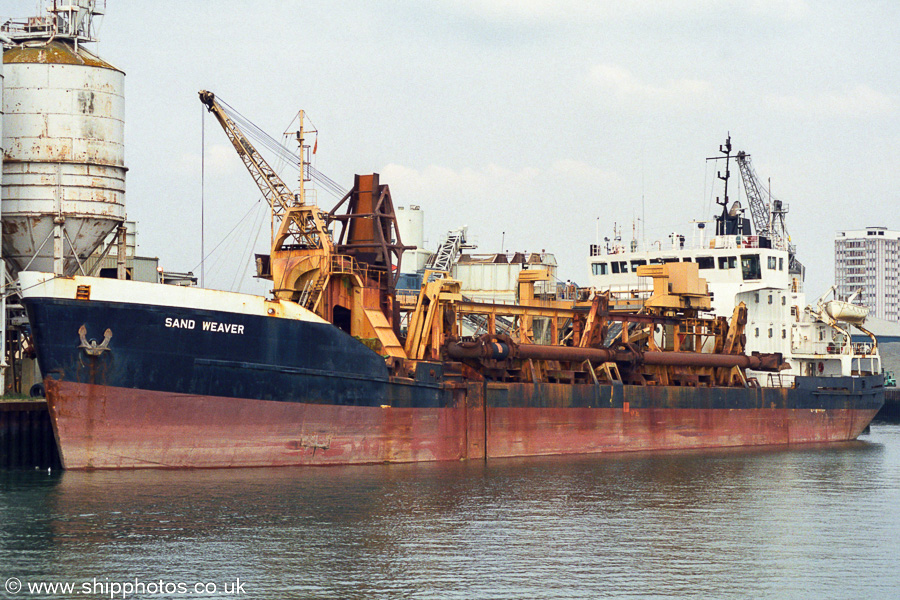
[350, 283]
[294, 223]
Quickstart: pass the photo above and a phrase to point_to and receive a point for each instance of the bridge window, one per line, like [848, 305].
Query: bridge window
[727, 262]
[637, 263]
[750, 267]
[772, 263]
[705, 262]
[599, 268]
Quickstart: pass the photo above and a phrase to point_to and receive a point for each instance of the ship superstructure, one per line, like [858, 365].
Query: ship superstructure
[751, 261]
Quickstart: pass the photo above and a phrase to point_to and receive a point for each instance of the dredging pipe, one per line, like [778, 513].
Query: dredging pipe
[755, 361]
[496, 348]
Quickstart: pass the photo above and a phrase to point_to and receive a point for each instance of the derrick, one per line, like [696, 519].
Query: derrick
[349, 283]
[294, 223]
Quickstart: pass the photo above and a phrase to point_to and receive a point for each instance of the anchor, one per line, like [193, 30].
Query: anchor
[92, 348]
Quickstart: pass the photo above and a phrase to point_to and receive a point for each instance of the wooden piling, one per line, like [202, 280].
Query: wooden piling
[26, 436]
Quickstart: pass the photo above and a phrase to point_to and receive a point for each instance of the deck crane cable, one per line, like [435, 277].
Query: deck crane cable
[236, 225]
[248, 248]
[257, 221]
[332, 186]
[279, 150]
[231, 241]
[247, 263]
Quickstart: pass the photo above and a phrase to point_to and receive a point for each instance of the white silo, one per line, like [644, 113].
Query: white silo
[63, 187]
[411, 226]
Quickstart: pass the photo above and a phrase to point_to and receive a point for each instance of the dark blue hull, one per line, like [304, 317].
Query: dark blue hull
[271, 359]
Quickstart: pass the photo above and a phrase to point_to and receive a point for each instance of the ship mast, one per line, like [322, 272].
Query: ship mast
[726, 150]
[301, 190]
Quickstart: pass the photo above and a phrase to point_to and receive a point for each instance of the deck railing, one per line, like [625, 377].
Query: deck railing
[677, 243]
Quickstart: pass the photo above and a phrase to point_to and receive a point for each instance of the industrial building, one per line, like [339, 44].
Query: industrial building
[866, 263]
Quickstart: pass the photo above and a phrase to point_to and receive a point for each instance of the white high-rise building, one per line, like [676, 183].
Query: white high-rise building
[868, 260]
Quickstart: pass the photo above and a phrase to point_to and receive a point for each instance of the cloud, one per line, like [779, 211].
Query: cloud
[860, 102]
[623, 86]
[493, 181]
[553, 207]
[595, 12]
[220, 159]
[788, 10]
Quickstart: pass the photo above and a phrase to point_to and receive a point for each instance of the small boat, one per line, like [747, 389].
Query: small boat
[846, 311]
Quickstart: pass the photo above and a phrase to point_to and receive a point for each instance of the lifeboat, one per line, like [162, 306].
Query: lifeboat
[847, 312]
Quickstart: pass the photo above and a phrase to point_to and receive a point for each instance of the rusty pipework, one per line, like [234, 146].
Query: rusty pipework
[569, 353]
[501, 347]
[496, 347]
[757, 362]
[490, 347]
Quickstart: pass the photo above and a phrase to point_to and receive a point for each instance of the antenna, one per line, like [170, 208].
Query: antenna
[726, 150]
[72, 20]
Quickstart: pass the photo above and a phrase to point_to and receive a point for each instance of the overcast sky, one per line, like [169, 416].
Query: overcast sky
[543, 120]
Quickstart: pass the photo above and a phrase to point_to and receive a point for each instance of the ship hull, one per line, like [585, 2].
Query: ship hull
[103, 427]
[264, 389]
[106, 428]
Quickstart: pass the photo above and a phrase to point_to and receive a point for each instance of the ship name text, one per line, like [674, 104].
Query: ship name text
[205, 325]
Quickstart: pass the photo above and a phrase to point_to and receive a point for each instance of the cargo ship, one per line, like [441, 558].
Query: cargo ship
[332, 369]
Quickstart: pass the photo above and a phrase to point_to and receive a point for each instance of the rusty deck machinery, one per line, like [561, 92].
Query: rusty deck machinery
[666, 342]
[370, 235]
[349, 283]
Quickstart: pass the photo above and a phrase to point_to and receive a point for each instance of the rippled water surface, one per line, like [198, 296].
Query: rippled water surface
[807, 522]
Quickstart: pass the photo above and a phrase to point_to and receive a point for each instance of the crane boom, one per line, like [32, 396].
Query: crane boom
[275, 191]
[767, 222]
[303, 225]
[758, 207]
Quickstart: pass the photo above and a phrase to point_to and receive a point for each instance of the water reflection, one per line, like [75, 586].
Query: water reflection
[806, 522]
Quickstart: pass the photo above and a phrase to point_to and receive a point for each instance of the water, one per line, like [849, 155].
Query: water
[811, 522]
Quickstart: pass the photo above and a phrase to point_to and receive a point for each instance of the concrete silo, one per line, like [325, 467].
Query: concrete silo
[411, 226]
[63, 187]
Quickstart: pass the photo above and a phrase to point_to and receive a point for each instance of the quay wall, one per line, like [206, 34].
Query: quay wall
[26, 436]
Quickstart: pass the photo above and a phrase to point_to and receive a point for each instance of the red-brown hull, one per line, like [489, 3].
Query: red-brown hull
[531, 431]
[104, 427]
